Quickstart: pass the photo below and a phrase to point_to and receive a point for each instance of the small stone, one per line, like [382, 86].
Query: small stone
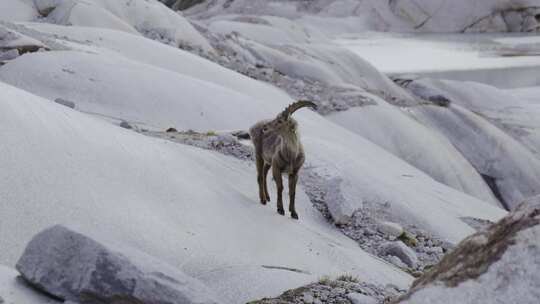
[368, 232]
[308, 298]
[64, 102]
[125, 125]
[434, 250]
[324, 295]
[171, 130]
[390, 228]
[358, 298]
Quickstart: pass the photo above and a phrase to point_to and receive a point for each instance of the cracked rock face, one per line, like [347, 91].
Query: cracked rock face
[499, 263]
[73, 267]
[460, 16]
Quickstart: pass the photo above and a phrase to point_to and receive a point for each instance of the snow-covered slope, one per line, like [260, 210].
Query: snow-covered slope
[416, 144]
[149, 18]
[107, 84]
[378, 148]
[498, 137]
[16, 10]
[191, 209]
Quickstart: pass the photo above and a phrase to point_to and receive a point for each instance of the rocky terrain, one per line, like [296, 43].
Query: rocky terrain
[471, 273]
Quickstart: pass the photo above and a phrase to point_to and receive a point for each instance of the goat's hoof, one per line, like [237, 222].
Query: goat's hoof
[294, 215]
[268, 198]
[281, 211]
[263, 202]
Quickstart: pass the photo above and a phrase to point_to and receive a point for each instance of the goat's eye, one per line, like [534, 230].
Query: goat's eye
[265, 129]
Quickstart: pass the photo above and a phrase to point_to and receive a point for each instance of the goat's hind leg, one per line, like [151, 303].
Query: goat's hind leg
[260, 179]
[293, 180]
[276, 172]
[266, 168]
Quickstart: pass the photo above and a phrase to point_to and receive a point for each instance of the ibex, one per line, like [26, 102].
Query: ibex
[277, 146]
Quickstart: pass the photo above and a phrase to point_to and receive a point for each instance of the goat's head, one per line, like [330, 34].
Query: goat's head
[283, 123]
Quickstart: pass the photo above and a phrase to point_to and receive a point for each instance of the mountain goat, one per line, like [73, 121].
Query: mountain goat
[278, 146]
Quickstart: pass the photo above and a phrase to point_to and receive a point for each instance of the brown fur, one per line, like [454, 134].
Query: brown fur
[278, 147]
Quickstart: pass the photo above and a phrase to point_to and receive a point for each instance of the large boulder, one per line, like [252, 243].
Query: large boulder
[15, 291]
[73, 267]
[498, 265]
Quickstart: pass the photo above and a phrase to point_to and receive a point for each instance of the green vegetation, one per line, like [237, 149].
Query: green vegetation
[408, 239]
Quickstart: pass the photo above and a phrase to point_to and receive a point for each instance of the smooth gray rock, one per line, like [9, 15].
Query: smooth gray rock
[76, 268]
[64, 102]
[124, 124]
[358, 298]
[400, 250]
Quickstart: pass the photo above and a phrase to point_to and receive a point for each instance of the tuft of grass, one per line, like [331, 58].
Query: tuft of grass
[408, 239]
[324, 280]
[211, 133]
[348, 278]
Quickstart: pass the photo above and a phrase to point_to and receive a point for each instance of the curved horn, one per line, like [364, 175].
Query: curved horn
[296, 106]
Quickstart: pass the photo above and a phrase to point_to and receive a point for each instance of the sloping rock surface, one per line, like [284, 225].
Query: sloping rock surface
[500, 264]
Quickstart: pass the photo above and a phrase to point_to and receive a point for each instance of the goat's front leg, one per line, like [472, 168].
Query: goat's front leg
[266, 168]
[293, 180]
[276, 172]
[260, 178]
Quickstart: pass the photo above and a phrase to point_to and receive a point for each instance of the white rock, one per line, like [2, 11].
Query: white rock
[400, 250]
[392, 229]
